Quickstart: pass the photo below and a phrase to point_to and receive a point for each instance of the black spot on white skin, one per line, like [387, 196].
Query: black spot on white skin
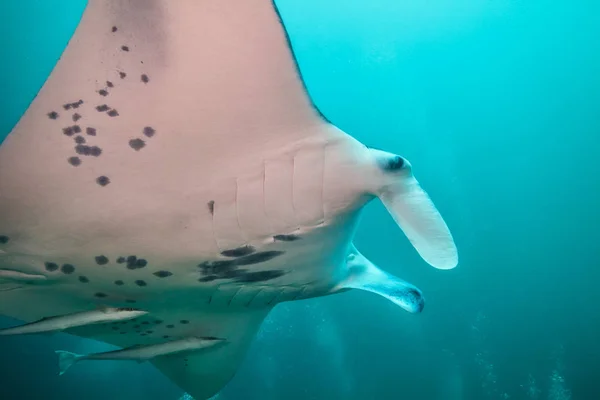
[120, 260]
[74, 161]
[90, 131]
[141, 283]
[184, 321]
[163, 274]
[145, 78]
[76, 129]
[286, 238]
[50, 266]
[260, 276]
[113, 113]
[137, 144]
[258, 257]
[67, 106]
[102, 180]
[125, 48]
[110, 84]
[85, 150]
[170, 326]
[67, 269]
[239, 252]
[4, 239]
[79, 140]
[101, 260]
[68, 131]
[76, 117]
[83, 279]
[53, 115]
[114, 29]
[76, 104]
[149, 131]
[141, 263]
[216, 267]
[211, 207]
[100, 295]
[122, 75]
[103, 92]
[119, 283]
[102, 108]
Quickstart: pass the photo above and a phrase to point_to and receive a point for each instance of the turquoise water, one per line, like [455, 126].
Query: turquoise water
[497, 106]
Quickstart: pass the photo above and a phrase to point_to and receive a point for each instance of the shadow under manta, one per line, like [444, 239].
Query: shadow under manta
[174, 162]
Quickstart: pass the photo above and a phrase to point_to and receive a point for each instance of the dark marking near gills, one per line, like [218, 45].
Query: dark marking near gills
[67, 269]
[53, 115]
[125, 48]
[137, 144]
[85, 150]
[50, 266]
[102, 108]
[101, 260]
[208, 278]
[259, 276]
[110, 84]
[286, 238]
[184, 321]
[83, 279]
[102, 180]
[103, 92]
[113, 113]
[76, 104]
[120, 260]
[239, 252]
[90, 131]
[122, 75]
[119, 283]
[79, 139]
[163, 274]
[76, 117]
[145, 78]
[211, 207]
[258, 257]
[4, 239]
[100, 295]
[134, 263]
[141, 283]
[68, 131]
[113, 29]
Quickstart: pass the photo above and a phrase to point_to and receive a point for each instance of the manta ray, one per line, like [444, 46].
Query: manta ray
[173, 162]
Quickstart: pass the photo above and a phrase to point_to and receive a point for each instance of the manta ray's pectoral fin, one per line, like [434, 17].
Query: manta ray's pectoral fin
[414, 212]
[364, 275]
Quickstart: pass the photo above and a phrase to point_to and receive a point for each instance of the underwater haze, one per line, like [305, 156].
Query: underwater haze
[496, 103]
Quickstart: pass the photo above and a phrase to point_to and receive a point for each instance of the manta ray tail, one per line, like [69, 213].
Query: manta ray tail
[364, 275]
[66, 360]
[414, 212]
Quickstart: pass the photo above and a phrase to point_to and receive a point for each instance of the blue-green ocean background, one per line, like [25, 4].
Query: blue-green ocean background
[497, 105]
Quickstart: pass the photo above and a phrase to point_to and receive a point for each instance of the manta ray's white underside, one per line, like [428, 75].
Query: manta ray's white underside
[174, 162]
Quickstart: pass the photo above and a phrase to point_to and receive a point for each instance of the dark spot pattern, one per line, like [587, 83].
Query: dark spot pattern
[103, 92]
[53, 115]
[209, 278]
[110, 84]
[102, 180]
[101, 260]
[239, 252]
[119, 283]
[259, 276]
[102, 108]
[101, 295]
[211, 207]
[149, 131]
[163, 274]
[137, 144]
[145, 78]
[166, 337]
[113, 113]
[125, 48]
[86, 150]
[67, 106]
[170, 326]
[84, 279]
[74, 161]
[67, 269]
[50, 266]
[4, 239]
[286, 238]
[184, 321]
[79, 140]
[90, 131]
[76, 117]
[68, 131]
[257, 258]
[120, 260]
[113, 29]
[122, 75]
[141, 283]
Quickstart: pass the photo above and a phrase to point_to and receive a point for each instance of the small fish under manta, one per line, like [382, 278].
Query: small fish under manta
[175, 163]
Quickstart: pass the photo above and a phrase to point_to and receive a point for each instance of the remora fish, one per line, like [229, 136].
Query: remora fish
[139, 353]
[62, 322]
